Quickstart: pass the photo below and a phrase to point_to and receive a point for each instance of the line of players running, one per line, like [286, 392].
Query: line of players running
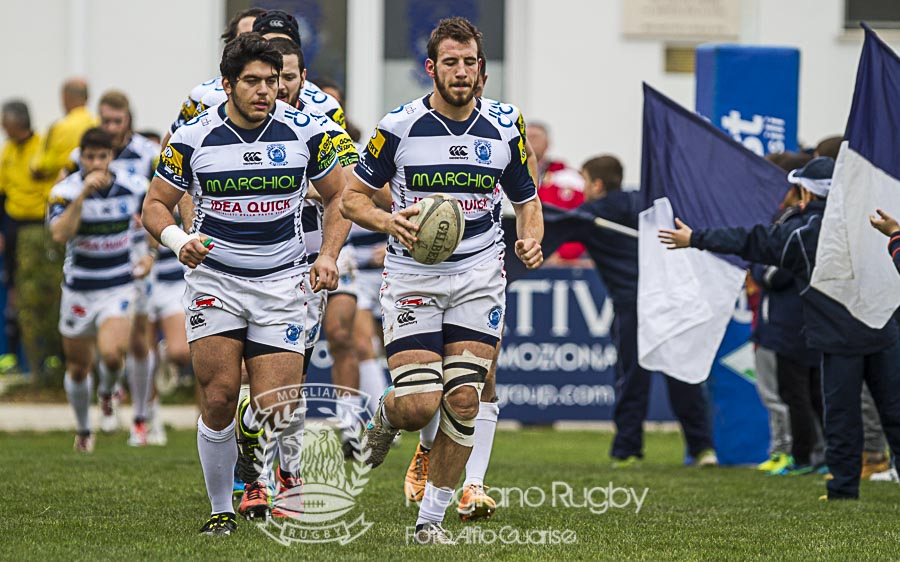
[348, 318]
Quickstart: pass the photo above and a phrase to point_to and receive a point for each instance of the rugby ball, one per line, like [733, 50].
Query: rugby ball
[441, 225]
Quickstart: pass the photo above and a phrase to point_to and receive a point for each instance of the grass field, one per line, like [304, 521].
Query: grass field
[142, 504]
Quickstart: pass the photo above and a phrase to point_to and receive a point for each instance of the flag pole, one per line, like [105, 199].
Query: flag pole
[615, 227]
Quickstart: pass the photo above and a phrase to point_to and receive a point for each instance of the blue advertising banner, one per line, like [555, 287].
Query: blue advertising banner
[557, 361]
[751, 93]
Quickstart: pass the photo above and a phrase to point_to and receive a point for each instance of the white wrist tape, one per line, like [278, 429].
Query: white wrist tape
[174, 238]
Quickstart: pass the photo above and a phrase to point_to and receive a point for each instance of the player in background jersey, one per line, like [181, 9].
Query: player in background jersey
[91, 211]
[442, 321]
[251, 279]
[254, 500]
[474, 503]
[132, 154]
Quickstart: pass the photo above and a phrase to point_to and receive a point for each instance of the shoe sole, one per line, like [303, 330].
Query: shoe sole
[479, 510]
[255, 512]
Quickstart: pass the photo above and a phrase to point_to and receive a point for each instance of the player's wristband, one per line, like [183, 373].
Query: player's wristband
[174, 238]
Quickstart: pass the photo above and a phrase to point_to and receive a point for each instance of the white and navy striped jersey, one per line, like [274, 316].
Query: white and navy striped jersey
[422, 152]
[364, 242]
[310, 95]
[191, 106]
[139, 157]
[347, 155]
[247, 186]
[167, 266]
[99, 255]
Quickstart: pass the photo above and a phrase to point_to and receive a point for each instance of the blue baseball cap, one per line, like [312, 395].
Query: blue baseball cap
[815, 176]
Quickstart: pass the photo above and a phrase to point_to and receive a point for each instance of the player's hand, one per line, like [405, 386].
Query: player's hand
[95, 181]
[400, 228]
[884, 223]
[195, 251]
[324, 274]
[678, 238]
[143, 267]
[529, 251]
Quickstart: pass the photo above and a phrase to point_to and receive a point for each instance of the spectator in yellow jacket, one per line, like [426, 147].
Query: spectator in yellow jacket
[24, 202]
[65, 134]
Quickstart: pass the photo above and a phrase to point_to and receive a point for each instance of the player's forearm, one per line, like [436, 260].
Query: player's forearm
[335, 228]
[529, 220]
[186, 210]
[156, 216]
[66, 226]
[360, 209]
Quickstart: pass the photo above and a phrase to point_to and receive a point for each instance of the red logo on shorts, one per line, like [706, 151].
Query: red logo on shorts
[414, 301]
[205, 301]
[79, 310]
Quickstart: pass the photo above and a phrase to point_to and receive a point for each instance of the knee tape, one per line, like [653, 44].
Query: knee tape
[459, 371]
[417, 378]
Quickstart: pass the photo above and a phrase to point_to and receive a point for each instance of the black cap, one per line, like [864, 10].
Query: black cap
[276, 21]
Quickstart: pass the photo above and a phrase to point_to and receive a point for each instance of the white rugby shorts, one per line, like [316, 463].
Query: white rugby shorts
[315, 311]
[165, 299]
[273, 312]
[425, 312]
[81, 313]
[368, 288]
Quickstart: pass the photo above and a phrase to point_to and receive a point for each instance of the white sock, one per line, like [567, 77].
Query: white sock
[372, 382]
[141, 384]
[153, 409]
[434, 504]
[290, 440]
[347, 413]
[218, 455]
[485, 425]
[107, 379]
[429, 432]
[79, 394]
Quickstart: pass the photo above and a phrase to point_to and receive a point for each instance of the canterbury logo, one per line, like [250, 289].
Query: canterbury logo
[197, 320]
[406, 318]
[458, 151]
[252, 157]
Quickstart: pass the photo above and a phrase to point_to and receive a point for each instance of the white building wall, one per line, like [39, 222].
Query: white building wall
[154, 51]
[567, 62]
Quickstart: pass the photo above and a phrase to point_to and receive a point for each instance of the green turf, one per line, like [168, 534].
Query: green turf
[141, 504]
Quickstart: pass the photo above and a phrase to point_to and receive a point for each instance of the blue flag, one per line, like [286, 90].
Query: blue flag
[852, 265]
[710, 179]
[693, 171]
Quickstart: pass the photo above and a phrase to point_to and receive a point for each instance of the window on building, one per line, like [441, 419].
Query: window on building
[883, 14]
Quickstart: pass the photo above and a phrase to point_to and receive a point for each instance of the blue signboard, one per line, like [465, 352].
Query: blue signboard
[751, 93]
[557, 361]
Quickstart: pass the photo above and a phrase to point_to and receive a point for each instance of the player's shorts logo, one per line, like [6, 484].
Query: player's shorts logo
[205, 301]
[406, 318]
[277, 154]
[197, 321]
[292, 334]
[483, 151]
[412, 301]
[495, 316]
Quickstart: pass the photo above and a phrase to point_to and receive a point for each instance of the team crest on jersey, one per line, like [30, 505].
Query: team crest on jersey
[483, 151]
[277, 154]
[495, 316]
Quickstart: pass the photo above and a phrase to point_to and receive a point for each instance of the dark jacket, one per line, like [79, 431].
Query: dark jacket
[791, 245]
[894, 249]
[614, 254]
